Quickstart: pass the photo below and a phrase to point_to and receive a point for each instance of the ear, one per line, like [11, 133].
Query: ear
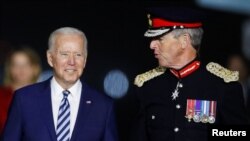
[50, 58]
[84, 63]
[185, 40]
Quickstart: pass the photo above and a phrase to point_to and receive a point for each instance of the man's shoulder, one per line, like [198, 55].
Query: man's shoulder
[34, 88]
[148, 75]
[221, 72]
[213, 70]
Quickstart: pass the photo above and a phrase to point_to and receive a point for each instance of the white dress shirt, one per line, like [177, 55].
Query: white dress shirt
[73, 98]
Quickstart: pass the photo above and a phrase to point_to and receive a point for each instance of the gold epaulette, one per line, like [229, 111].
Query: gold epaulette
[225, 74]
[141, 78]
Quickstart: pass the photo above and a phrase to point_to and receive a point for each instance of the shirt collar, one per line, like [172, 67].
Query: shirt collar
[74, 90]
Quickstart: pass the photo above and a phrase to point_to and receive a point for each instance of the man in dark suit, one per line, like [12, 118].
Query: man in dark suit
[62, 108]
[182, 98]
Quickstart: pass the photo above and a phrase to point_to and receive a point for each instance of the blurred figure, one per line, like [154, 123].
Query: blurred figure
[22, 68]
[5, 49]
[238, 62]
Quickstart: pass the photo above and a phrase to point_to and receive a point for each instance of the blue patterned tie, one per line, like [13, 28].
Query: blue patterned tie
[63, 122]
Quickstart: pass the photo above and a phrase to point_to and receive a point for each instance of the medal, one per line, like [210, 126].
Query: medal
[204, 119]
[212, 112]
[201, 111]
[211, 119]
[175, 94]
[190, 109]
[197, 111]
[205, 111]
[197, 118]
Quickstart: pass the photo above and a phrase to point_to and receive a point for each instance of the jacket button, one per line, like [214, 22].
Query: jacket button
[176, 129]
[153, 116]
[178, 106]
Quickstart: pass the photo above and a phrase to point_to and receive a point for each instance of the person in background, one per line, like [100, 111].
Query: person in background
[22, 68]
[238, 62]
[5, 49]
[183, 97]
[63, 107]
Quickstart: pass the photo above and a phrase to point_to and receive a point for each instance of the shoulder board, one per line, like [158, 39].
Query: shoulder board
[225, 74]
[141, 78]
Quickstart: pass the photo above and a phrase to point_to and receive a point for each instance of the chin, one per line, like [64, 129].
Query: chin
[71, 80]
[162, 64]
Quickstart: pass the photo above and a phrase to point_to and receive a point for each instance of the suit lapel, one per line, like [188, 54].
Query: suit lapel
[83, 111]
[46, 109]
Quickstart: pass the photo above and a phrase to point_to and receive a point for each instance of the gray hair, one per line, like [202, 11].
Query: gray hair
[67, 31]
[194, 33]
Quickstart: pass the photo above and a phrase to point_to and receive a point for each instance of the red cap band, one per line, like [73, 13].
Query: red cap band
[156, 23]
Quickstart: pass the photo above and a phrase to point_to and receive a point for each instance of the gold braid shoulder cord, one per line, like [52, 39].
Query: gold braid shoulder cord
[214, 68]
[141, 78]
[225, 74]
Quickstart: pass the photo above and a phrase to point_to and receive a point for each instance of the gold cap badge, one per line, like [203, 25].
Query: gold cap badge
[149, 20]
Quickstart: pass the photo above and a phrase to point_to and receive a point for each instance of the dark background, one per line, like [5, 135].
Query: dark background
[115, 35]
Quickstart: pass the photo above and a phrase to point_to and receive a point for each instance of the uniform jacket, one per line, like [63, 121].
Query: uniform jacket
[163, 119]
[31, 116]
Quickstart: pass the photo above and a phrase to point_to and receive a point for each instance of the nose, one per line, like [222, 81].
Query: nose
[153, 44]
[71, 60]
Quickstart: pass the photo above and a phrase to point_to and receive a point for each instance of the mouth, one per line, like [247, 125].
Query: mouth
[156, 55]
[70, 70]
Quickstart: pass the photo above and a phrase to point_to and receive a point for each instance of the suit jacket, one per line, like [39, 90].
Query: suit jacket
[31, 117]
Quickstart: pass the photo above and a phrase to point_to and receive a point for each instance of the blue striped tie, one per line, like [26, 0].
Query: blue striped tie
[63, 122]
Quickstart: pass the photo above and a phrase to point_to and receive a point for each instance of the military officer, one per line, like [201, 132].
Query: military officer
[183, 96]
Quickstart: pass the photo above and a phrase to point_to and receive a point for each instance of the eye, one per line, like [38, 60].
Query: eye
[162, 38]
[155, 38]
[64, 54]
[158, 39]
[78, 54]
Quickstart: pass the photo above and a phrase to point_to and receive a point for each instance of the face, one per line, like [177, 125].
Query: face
[67, 59]
[236, 63]
[167, 50]
[21, 70]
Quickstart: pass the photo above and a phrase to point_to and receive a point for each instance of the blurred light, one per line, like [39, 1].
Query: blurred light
[246, 39]
[116, 84]
[45, 75]
[237, 6]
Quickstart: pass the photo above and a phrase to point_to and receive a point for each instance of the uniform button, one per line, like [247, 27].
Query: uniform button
[153, 116]
[176, 129]
[178, 106]
[180, 85]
